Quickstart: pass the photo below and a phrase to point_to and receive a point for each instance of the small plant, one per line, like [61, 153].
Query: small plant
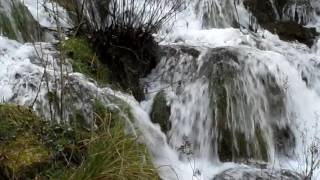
[186, 150]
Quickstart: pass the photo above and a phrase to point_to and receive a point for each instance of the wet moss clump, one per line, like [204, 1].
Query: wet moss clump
[84, 59]
[25, 23]
[6, 28]
[161, 112]
[21, 151]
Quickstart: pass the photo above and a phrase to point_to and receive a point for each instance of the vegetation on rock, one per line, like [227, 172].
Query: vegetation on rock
[161, 112]
[122, 36]
[84, 60]
[18, 23]
[31, 147]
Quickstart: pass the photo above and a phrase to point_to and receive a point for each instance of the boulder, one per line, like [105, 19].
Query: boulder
[270, 18]
[291, 31]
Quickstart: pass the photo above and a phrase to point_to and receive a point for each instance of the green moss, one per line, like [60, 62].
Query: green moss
[24, 151]
[14, 119]
[6, 27]
[262, 149]
[161, 112]
[84, 59]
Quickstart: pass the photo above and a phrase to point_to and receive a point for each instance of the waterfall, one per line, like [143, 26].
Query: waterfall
[237, 97]
[240, 102]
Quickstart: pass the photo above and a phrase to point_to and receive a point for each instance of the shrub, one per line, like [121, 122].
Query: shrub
[121, 32]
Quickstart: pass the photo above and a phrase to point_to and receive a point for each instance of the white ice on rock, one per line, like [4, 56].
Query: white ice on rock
[22, 73]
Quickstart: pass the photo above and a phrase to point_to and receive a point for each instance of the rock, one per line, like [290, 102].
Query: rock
[290, 31]
[228, 100]
[287, 29]
[246, 173]
[16, 22]
[160, 113]
[285, 140]
[262, 10]
[237, 121]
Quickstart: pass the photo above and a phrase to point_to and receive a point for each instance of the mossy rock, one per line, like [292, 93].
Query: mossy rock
[84, 59]
[160, 113]
[25, 24]
[23, 157]
[286, 30]
[228, 101]
[6, 27]
[22, 152]
[14, 119]
[236, 147]
[18, 23]
[291, 31]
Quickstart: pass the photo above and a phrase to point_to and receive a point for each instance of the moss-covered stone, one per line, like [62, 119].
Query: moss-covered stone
[228, 101]
[290, 30]
[14, 119]
[21, 151]
[235, 146]
[6, 27]
[16, 22]
[84, 59]
[24, 156]
[160, 113]
[24, 22]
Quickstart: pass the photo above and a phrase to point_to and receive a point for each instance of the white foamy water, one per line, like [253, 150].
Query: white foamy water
[266, 83]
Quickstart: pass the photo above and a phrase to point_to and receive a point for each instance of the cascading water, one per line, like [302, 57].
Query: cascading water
[242, 104]
[238, 97]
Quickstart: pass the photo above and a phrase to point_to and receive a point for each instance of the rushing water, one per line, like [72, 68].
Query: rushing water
[236, 97]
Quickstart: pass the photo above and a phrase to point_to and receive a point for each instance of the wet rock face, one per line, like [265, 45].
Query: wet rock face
[284, 140]
[288, 28]
[161, 112]
[230, 109]
[261, 174]
[262, 10]
[16, 22]
[236, 112]
[291, 31]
